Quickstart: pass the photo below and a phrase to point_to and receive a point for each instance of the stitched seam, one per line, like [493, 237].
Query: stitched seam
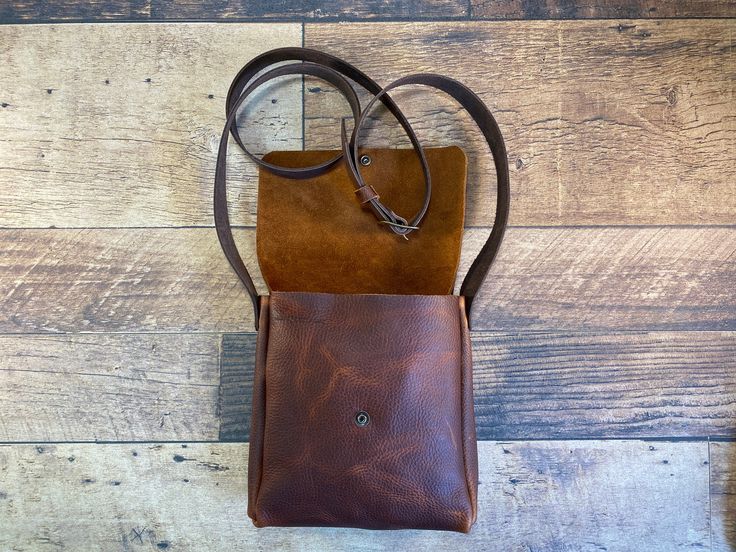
[461, 312]
[263, 430]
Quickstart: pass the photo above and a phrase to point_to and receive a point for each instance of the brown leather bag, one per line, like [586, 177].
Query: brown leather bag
[362, 397]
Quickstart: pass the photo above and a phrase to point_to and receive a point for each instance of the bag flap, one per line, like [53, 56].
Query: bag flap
[313, 235]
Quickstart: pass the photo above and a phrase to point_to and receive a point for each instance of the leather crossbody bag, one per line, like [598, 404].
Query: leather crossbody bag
[362, 412]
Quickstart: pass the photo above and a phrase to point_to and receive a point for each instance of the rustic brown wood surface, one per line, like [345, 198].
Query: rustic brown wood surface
[138, 279]
[34, 11]
[128, 136]
[315, 10]
[13, 11]
[622, 495]
[131, 140]
[610, 313]
[110, 387]
[646, 108]
[554, 385]
[723, 495]
[196, 387]
[583, 9]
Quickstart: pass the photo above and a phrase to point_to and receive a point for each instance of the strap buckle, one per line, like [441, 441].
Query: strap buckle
[399, 226]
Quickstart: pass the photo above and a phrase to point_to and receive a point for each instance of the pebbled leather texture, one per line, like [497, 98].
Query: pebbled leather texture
[405, 361]
[309, 231]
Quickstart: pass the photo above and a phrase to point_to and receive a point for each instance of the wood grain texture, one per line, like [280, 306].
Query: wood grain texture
[596, 116]
[237, 359]
[46, 11]
[660, 384]
[172, 10]
[597, 9]
[558, 495]
[723, 495]
[558, 385]
[625, 122]
[115, 387]
[38, 11]
[177, 280]
[167, 387]
[108, 280]
[118, 125]
[608, 123]
[123, 387]
[598, 278]
[41, 11]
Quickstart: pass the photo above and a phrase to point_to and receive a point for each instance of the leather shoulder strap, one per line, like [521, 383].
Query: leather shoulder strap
[333, 70]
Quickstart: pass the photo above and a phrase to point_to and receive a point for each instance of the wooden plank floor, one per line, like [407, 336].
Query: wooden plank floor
[192, 496]
[34, 11]
[604, 342]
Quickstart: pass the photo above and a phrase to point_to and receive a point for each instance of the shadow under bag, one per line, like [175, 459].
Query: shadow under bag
[362, 412]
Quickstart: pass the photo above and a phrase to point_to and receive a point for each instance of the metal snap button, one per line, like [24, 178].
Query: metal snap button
[365, 160]
[362, 419]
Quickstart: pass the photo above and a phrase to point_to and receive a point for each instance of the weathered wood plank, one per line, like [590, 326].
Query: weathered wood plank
[237, 359]
[128, 136]
[40, 11]
[132, 280]
[172, 10]
[660, 384]
[43, 11]
[619, 107]
[555, 385]
[723, 495]
[596, 278]
[558, 495]
[629, 122]
[120, 387]
[119, 280]
[164, 387]
[598, 9]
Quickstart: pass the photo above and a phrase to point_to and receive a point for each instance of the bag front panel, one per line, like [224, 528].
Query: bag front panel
[367, 416]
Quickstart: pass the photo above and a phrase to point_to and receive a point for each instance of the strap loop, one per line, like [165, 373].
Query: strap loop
[492, 133]
[307, 68]
[398, 224]
[366, 194]
[334, 70]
